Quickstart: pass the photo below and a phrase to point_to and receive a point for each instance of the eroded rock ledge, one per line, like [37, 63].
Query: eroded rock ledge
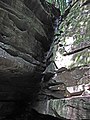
[24, 39]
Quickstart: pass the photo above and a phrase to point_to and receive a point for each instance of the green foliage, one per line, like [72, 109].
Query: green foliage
[76, 35]
[61, 4]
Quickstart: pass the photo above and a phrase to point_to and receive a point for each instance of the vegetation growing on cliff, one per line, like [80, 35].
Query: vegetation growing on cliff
[72, 38]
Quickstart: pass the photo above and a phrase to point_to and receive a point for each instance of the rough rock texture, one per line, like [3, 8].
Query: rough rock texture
[24, 25]
[73, 109]
[24, 40]
[67, 94]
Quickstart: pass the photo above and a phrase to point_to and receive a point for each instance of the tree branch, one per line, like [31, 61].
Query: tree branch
[77, 50]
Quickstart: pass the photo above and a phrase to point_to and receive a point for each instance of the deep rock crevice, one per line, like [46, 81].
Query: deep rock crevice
[26, 72]
[24, 41]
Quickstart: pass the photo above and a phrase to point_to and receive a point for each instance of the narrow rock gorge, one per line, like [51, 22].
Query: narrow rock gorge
[32, 87]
